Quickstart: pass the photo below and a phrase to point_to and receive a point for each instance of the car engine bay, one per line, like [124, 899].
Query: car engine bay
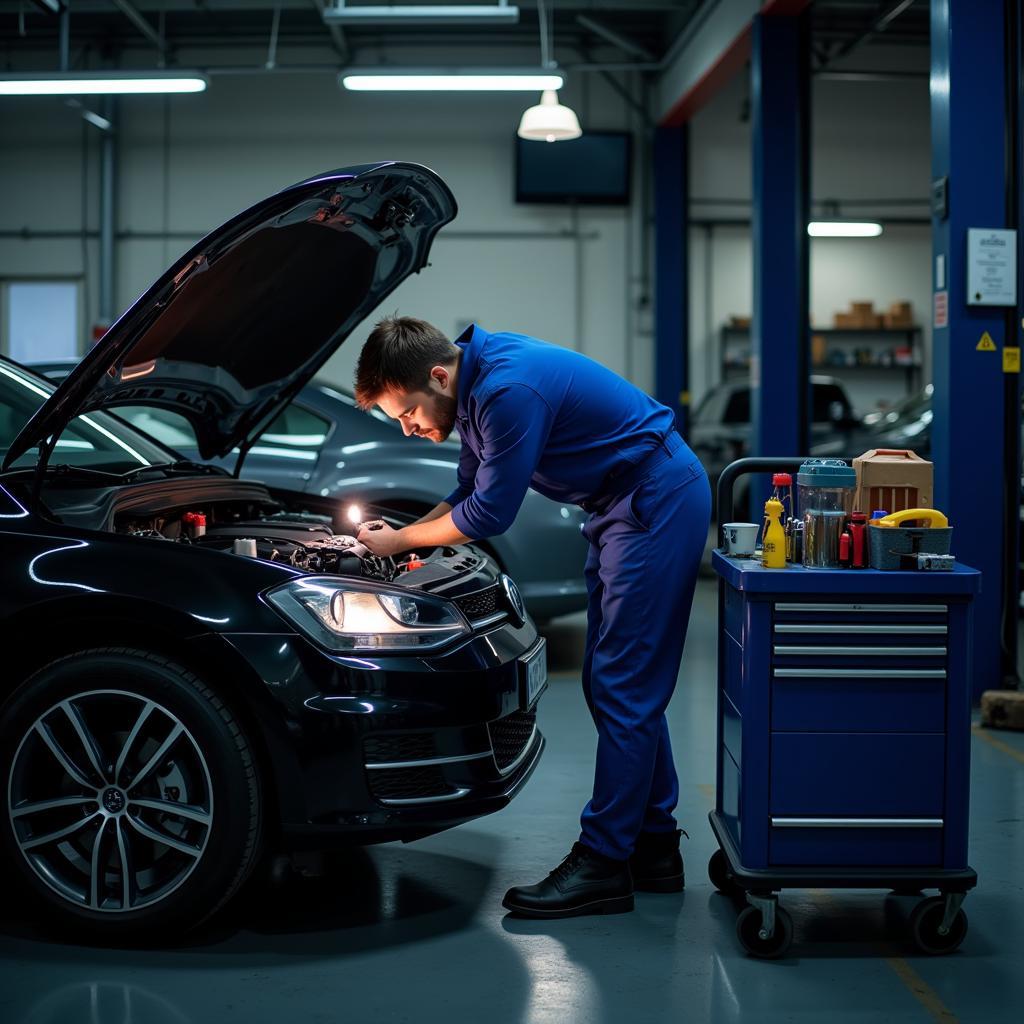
[303, 539]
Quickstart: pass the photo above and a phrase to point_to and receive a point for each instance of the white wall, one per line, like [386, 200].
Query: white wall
[870, 142]
[187, 163]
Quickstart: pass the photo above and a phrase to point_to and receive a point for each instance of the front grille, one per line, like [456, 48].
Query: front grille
[409, 746]
[510, 735]
[479, 605]
[408, 783]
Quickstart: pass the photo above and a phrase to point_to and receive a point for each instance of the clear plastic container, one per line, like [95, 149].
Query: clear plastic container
[825, 489]
[826, 485]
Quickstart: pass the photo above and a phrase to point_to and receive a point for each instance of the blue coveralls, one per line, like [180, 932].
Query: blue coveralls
[536, 415]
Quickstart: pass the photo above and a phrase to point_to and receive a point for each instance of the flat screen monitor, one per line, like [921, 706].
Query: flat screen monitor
[595, 168]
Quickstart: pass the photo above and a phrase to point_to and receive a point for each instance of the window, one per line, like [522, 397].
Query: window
[296, 428]
[41, 320]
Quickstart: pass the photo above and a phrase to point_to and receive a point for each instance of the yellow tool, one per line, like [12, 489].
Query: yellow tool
[773, 544]
[933, 518]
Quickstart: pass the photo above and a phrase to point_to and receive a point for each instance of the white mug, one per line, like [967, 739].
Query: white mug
[740, 538]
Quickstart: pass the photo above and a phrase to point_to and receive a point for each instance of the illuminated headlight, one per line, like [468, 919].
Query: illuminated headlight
[354, 616]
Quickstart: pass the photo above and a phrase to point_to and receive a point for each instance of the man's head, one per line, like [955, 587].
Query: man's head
[410, 369]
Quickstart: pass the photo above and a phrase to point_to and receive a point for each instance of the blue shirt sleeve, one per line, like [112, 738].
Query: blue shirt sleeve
[468, 463]
[514, 423]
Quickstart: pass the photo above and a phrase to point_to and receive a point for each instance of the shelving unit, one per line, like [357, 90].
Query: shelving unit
[734, 353]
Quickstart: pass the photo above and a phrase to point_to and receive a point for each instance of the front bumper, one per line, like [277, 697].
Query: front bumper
[395, 747]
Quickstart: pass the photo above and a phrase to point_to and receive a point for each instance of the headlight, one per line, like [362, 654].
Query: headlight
[348, 615]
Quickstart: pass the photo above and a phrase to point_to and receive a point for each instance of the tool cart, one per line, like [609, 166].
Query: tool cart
[843, 737]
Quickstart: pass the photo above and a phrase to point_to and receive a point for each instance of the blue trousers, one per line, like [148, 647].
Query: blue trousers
[641, 571]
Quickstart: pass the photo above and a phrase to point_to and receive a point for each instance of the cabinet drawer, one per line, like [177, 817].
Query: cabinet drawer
[856, 846]
[829, 703]
[857, 775]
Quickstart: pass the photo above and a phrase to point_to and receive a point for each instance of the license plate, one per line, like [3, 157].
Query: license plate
[533, 675]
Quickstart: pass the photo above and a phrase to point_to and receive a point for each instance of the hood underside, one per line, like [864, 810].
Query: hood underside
[241, 322]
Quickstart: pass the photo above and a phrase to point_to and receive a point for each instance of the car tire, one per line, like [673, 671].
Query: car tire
[131, 794]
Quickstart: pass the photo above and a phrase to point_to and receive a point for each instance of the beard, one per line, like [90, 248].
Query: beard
[446, 409]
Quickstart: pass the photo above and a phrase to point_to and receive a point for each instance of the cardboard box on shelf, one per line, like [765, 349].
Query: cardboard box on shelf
[899, 315]
[818, 348]
[893, 479]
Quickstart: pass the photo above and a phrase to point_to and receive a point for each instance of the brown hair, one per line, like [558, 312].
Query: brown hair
[400, 353]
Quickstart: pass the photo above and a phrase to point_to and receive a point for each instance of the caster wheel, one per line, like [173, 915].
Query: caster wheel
[718, 872]
[924, 927]
[748, 929]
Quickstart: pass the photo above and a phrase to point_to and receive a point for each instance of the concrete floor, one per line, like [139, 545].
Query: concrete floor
[416, 933]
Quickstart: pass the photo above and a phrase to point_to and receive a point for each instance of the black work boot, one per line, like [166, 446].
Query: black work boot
[586, 882]
[657, 864]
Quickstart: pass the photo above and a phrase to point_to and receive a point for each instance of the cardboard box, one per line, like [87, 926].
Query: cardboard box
[892, 479]
[1002, 709]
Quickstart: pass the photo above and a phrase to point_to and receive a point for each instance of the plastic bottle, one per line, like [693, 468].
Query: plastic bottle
[773, 549]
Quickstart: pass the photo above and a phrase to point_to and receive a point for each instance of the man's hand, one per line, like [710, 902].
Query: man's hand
[381, 539]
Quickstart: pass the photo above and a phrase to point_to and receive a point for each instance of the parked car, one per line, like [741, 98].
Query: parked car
[197, 667]
[720, 426]
[323, 443]
[906, 425]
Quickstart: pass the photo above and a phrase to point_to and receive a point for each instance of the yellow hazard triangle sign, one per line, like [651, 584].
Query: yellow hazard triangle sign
[986, 344]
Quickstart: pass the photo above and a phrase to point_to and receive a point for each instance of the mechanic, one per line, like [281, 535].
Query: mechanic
[532, 414]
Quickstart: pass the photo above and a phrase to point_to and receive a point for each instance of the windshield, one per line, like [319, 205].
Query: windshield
[98, 440]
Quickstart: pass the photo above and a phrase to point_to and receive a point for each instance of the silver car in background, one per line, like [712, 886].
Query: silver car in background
[324, 444]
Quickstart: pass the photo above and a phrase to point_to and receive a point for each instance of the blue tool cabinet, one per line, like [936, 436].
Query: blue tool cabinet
[843, 741]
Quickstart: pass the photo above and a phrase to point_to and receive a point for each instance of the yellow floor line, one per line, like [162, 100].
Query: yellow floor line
[919, 988]
[983, 734]
[922, 991]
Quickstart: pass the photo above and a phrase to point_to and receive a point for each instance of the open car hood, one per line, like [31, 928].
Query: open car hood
[242, 321]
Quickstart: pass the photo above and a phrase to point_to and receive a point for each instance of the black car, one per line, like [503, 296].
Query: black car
[198, 668]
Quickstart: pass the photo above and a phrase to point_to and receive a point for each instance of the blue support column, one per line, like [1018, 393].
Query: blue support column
[780, 102]
[969, 110]
[671, 283]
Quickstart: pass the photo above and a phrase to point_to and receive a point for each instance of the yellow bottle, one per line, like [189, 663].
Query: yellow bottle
[773, 547]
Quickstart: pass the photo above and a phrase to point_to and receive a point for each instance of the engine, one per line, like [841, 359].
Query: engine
[304, 540]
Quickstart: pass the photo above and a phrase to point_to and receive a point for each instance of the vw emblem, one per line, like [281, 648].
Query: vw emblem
[515, 600]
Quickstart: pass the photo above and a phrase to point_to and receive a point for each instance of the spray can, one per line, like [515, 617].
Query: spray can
[773, 547]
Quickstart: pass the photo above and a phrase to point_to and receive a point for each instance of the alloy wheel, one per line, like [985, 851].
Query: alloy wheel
[110, 800]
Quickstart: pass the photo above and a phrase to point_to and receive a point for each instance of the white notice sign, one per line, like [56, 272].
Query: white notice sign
[991, 267]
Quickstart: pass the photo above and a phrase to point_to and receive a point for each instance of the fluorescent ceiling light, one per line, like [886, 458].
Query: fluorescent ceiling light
[426, 14]
[99, 83]
[843, 229]
[452, 80]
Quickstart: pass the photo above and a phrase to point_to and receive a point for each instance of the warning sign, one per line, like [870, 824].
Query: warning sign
[986, 344]
[1011, 359]
[941, 314]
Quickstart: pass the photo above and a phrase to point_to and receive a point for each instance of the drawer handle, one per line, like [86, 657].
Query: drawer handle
[859, 673]
[901, 652]
[803, 607]
[857, 822]
[845, 627]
